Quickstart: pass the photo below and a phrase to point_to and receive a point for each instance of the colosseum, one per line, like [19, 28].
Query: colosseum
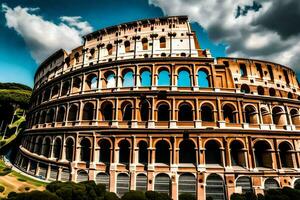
[140, 106]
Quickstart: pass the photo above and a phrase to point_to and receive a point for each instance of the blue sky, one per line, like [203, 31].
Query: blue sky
[16, 62]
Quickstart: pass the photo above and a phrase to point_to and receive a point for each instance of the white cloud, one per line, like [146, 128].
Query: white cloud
[44, 37]
[269, 33]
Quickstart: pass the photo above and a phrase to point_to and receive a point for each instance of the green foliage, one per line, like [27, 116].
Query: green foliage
[21, 179]
[110, 196]
[34, 195]
[152, 195]
[236, 196]
[134, 195]
[5, 171]
[14, 86]
[187, 196]
[2, 188]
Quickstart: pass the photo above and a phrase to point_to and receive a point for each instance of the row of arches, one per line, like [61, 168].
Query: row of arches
[187, 152]
[163, 112]
[261, 91]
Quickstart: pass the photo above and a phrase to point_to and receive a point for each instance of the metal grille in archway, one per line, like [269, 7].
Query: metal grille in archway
[187, 184]
[122, 184]
[82, 176]
[215, 187]
[245, 183]
[141, 182]
[162, 183]
[103, 178]
[271, 183]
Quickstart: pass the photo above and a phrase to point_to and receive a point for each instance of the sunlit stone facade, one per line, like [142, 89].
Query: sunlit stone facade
[140, 106]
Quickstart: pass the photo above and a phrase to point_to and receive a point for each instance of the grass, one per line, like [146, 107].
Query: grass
[22, 178]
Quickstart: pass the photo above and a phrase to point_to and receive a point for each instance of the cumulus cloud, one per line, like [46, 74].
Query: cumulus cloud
[265, 29]
[44, 37]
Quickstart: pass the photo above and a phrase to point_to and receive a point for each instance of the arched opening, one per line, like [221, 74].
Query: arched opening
[212, 153]
[162, 42]
[278, 116]
[260, 90]
[47, 95]
[73, 113]
[65, 88]
[145, 78]
[187, 152]
[237, 154]
[245, 183]
[127, 112]
[50, 116]
[38, 146]
[245, 89]
[272, 92]
[162, 152]
[124, 152]
[163, 112]
[164, 78]
[295, 117]
[215, 187]
[290, 95]
[92, 53]
[185, 112]
[104, 151]
[266, 116]
[141, 182]
[69, 149]
[123, 184]
[82, 176]
[55, 91]
[76, 85]
[203, 78]
[110, 80]
[145, 43]
[127, 46]
[187, 184]
[184, 79]
[229, 113]
[271, 183]
[46, 148]
[109, 49]
[43, 117]
[207, 113]
[88, 111]
[162, 183]
[250, 115]
[144, 110]
[107, 111]
[243, 70]
[263, 156]
[286, 155]
[128, 79]
[85, 151]
[57, 148]
[76, 58]
[143, 152]
[61, 114]
[92, 82]
[103, 178]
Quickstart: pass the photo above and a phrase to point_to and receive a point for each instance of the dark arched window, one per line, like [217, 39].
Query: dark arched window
[245, 89]
[290, 95]
[55, 91]
[184, 79]
[143, 152]
[46, 148]
[92, 82]
[207, 114]
[164, 78]
[237, 154]
[203, 79]
[212, 153]
[187, 152]
[286, 155]
[278, 116]
[263, 157]
[162, 152]
[57, 148]
[85, 151]
[69, 149]
[50, 116]
[109, 48]
[185, 112]
[73, 113]
[107, 111]
[38, 146]
[76, 85]
[124, 152]
[215, 187]
[127, 112]
[163, 113]
[243, 70]
[162, 183]
[88, 111]
[110, 80]
[145, 78]
[145, 43]
[61, 114]
[43, 117]
[127, 46]
[162, 42]
[260, 90]
[229, 113]
[104, 151]
[250, 114]
[128, 79]
[272, 92]
[47, 95]
[295, 117]
[271, 183]
[144, 110]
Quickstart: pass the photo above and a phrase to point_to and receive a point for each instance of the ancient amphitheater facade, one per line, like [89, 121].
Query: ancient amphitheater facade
[140, 106]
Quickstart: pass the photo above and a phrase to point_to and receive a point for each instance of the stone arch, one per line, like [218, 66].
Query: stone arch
[203, 78]
[38, 145]
[55, 92]
[207, 112]
[187, 183]
[145, 43]
[109, 79]
[229, 113]
[69, 149]
[103, 178]
[164, 77]
[213, 154]
[88, 111]
[286, 155]
[65, 88]
[123, 184]
[127, 78]
[162, 183]
[127, 111]
[143, 152]
[278, 115]
[263, 156]
[271, 183]
[251, 114]
[91, 82]
[245, 88]
[245, 183]
[73, 112]
[162, 152]
[185, 112]
[61, 114]
[104, 154]
[184, 78]
[57, 148]
[162, 42]
[294, 113]
[163, 111]
[272, 92]
[124, 152]
[82, 175]
[109, 48]
[260, 90]
[46, 148]
[215, 187]
[50, 115]
[141, 182]
[76, 85]
[107, 110]
[145, 110]
[127, 46]
[266, 115]
[237, 153]
[43, 117]
[187, 152]
[145, 77]
[85, 150]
